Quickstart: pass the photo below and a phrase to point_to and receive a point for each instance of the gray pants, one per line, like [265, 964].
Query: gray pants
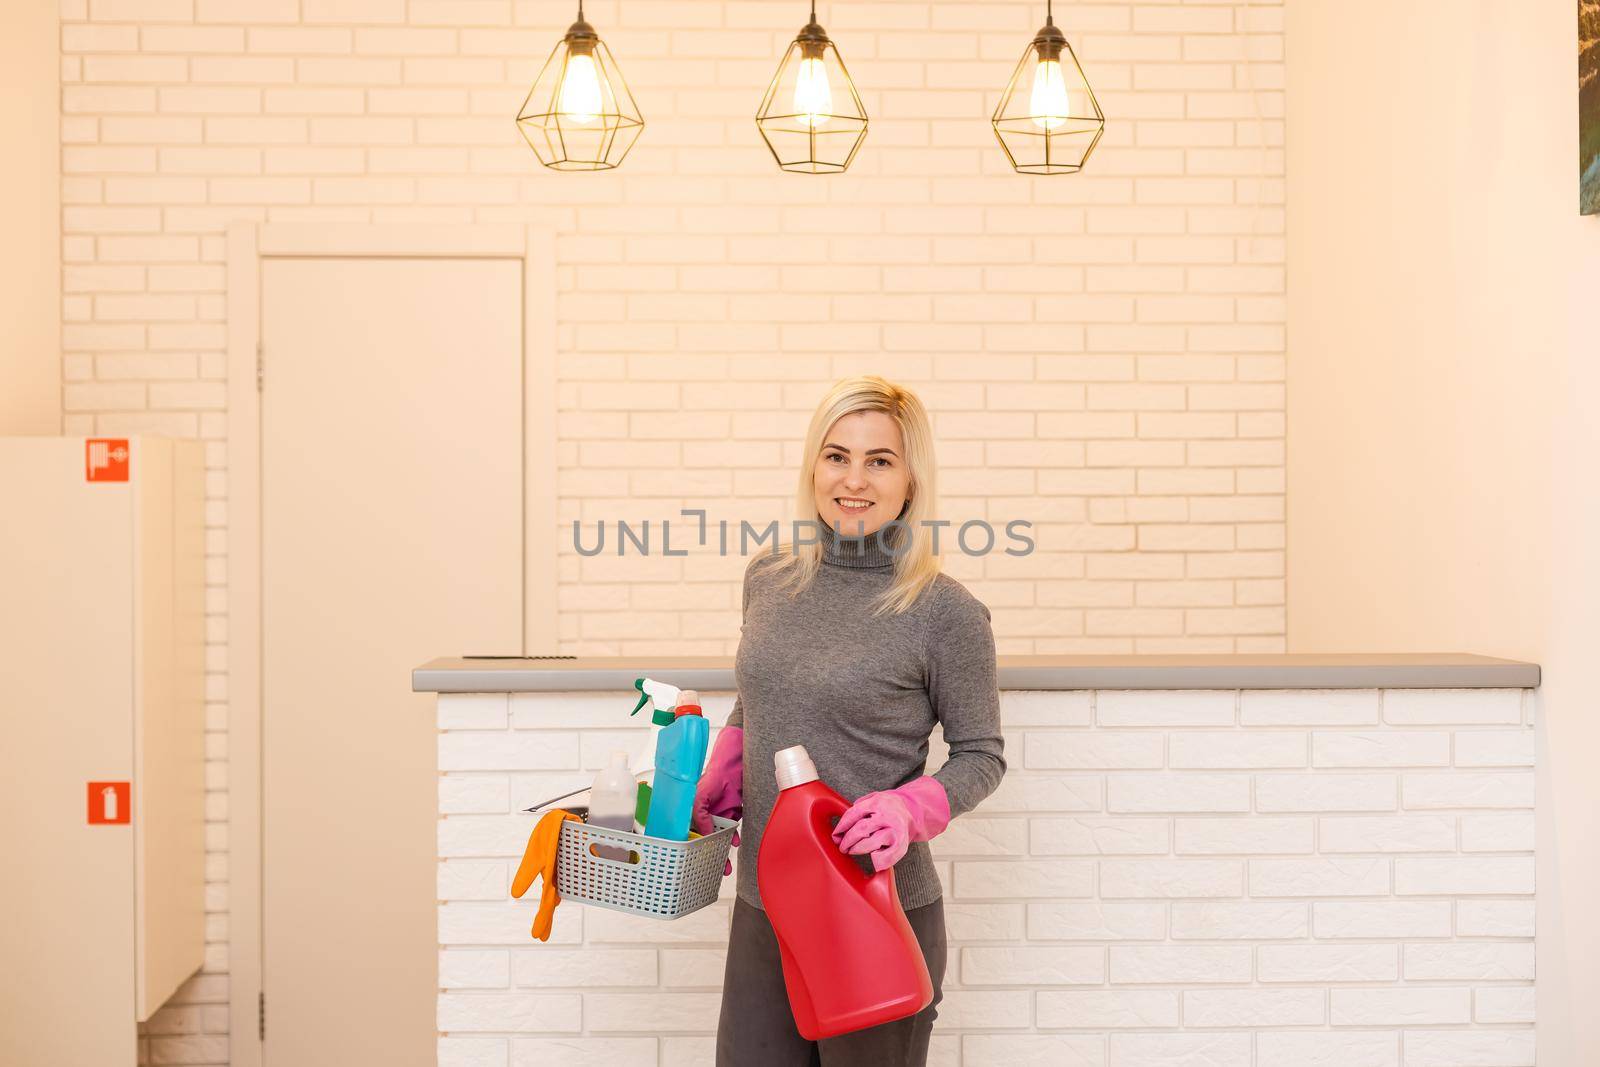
[757, 1028]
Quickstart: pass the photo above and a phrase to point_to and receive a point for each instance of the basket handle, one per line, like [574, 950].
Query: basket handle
[633, 860]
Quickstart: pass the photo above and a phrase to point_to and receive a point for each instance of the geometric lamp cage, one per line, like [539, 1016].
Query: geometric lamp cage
[1048, 120]
[811, 117]
[579, 114]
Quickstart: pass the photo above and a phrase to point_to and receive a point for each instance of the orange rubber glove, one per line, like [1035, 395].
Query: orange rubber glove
[539, 858]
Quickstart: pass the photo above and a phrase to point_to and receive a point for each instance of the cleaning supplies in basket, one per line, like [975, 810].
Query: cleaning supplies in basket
[612, 801]
[680, 757]
[641, 809]
[662, 700]
[608, 861]
[539, 860]
[850, 958]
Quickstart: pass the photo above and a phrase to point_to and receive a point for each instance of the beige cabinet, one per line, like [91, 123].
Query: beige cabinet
[102, 604]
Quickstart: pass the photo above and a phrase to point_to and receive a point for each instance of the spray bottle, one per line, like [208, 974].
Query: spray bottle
[662, 700]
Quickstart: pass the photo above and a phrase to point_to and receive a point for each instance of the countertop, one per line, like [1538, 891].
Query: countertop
[1442, 670]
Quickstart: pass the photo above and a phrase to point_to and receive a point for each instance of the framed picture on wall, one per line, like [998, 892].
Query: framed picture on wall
[1589, 107]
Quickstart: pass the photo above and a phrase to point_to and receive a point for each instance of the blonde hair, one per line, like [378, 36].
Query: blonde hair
[915, 564]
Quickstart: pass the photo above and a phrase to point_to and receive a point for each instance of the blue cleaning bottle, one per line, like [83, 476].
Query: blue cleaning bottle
[680, 757]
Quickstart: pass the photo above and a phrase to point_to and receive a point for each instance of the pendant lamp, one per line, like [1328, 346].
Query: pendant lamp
[811, 117]
[1048, 120]
[579, 114]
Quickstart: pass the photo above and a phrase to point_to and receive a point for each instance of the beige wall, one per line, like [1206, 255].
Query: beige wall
[30, 219]
[1442, 387]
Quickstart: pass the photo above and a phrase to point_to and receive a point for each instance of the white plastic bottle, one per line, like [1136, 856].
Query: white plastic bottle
[612, 800]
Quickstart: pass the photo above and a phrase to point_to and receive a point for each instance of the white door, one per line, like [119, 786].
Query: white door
[391, 532]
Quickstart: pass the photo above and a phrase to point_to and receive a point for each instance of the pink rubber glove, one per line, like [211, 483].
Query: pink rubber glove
[884, 824]
[721, 788]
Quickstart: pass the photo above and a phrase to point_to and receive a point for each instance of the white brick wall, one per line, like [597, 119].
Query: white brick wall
[1104, 352]
[1209, 877]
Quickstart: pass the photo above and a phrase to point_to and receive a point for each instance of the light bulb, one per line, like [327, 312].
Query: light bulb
[1049, 106]
[580, 100]
[813, 99]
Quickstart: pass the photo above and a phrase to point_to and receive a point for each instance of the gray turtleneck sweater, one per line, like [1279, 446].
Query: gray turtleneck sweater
[862, 693]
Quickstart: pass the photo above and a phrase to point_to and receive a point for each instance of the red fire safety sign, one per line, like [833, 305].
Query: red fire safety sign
[110, 803]
[106, 459]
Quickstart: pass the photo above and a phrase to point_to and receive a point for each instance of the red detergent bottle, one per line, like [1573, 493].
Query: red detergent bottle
[850, 957]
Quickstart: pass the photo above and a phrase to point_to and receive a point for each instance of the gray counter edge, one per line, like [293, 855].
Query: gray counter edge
[715, 674]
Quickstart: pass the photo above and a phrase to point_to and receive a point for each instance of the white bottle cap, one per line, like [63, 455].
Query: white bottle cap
[618, 756]
[688, 696]
[794, 767]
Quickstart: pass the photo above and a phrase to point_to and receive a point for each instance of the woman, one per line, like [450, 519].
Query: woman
[854, 646]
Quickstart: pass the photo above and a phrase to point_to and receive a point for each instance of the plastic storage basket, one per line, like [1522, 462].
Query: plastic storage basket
[669, 880]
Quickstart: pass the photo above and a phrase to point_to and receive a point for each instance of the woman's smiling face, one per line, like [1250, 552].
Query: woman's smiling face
[861, 480]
